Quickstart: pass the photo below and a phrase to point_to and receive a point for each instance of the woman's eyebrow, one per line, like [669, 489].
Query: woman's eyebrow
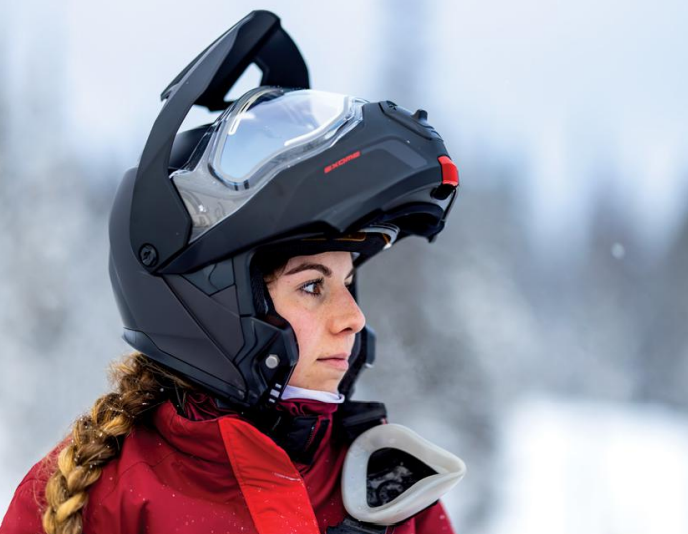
[324, 269]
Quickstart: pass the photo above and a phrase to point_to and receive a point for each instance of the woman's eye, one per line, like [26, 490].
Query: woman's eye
[313, 288]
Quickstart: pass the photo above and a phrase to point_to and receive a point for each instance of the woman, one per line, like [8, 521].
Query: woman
[233, 252]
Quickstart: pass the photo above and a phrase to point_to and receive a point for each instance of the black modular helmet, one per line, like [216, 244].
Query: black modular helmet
[283, 169]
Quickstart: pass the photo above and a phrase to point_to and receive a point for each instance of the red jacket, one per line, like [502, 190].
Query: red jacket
[217, 475]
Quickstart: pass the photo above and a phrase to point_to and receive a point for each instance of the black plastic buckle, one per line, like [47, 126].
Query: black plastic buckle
[352, 526]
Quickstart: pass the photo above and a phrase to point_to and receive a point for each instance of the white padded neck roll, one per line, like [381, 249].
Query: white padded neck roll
[449, 470]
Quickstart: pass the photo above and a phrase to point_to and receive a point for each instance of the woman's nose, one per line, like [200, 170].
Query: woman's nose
[346, 314]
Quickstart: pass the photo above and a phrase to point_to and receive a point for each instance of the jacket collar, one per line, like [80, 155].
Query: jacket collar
[200, 438]
[303, 428]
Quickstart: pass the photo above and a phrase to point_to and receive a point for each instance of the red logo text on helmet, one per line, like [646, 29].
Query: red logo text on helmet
[342, 161]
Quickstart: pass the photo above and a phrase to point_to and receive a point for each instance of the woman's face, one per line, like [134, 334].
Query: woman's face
[312, 293]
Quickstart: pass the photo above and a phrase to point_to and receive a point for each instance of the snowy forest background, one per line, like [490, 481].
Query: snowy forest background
[542, 337]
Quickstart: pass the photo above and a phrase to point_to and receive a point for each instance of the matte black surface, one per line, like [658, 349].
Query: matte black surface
[214, 277]
[355, 417]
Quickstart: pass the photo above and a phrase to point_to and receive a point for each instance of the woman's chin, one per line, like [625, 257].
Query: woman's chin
[329, 383]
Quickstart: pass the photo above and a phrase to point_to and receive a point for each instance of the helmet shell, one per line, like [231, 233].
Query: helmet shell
[195, 301]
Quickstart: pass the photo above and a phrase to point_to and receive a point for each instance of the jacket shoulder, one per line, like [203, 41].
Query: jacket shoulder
[26, 508]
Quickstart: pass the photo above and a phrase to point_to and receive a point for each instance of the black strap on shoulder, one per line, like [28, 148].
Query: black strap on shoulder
[300, 436]
[352, 526]
[355, 417]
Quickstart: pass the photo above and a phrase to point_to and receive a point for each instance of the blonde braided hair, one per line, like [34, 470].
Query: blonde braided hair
[141, 384]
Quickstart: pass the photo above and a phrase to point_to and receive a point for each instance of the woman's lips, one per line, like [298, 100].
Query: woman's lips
[338, 361]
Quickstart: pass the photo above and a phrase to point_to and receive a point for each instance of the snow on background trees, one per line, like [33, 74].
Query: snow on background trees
[542, 338]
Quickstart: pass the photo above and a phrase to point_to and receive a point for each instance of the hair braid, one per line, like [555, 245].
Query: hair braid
[97, 438]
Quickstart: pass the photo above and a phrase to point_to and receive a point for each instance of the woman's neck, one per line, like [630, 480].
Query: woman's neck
[293, 392]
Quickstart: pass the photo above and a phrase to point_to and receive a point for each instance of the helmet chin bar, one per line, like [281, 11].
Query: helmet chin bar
[391, 473]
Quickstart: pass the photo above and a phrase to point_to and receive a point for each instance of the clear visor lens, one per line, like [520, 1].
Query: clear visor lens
[264, 132]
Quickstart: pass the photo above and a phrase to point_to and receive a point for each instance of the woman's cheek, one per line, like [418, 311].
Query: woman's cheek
[303, 325]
